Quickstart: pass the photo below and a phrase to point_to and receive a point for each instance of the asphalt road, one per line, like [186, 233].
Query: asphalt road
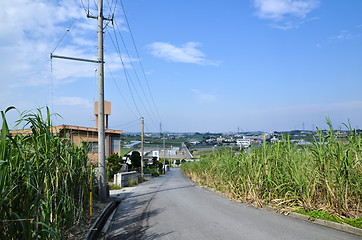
[172, 207]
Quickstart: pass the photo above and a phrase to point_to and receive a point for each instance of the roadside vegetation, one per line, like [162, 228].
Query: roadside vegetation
[44, 181]
[322, 178]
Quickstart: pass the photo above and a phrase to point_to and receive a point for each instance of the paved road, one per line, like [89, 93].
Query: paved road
[188, 154]
[172, 207]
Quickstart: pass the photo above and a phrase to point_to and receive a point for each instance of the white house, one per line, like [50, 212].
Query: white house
[243, 142]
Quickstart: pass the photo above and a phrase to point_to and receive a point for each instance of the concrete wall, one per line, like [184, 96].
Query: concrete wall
[123, 179]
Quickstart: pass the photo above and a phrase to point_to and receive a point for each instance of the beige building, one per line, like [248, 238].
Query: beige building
[87, 137]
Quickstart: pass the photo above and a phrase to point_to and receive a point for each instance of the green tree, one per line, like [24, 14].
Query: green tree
[136, 159]
[154, 161]
[113, 165]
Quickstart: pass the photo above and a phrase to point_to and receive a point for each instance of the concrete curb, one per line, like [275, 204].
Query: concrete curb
[98, 225]
[325, 223]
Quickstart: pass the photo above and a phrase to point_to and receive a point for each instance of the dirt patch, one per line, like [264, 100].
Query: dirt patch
[80, 230]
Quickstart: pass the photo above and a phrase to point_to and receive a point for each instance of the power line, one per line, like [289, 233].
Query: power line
[109, 70]
[85, 10]
[61, 40]
[111, 12]
[134, 44]
[128, 78]
[141, 99]
[134, 69]
[131, 123]
[124, 69]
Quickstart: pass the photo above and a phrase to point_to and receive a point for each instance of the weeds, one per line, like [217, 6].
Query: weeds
[114, 186]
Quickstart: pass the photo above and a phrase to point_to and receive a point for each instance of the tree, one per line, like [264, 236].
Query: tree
[136, 159]
[113, 165]
[154, 161]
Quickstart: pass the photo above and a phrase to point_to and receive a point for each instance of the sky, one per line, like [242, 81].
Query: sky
[187, 66]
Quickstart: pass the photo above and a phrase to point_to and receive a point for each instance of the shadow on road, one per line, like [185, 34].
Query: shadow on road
[134, 226]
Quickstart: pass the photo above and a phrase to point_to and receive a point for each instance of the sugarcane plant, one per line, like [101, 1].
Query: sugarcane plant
[325, 175]
[44, 180]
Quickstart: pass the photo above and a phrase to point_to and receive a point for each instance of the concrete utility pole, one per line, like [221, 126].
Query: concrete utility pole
[164, 156]
[142, 152]
[101, 135]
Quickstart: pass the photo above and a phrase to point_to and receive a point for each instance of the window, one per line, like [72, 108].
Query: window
[114, 143]
[91, 147]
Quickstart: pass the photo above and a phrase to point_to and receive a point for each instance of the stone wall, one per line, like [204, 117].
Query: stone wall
[123, 179]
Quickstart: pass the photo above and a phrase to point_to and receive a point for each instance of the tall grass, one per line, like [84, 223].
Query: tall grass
[44, 181]
[326, 175]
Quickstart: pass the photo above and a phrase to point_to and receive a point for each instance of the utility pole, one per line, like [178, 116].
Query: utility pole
[142, 150]
[164, 158]
[160, 130]
[101, 133]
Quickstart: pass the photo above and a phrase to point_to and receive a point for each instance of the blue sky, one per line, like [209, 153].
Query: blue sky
[206, 65]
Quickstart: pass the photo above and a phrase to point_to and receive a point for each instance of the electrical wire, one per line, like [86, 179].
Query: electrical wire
[128, 78]
[134, 69]
[128, 123]
[134, 44]
[111, 12]
[68, 29]
[85, 10]
[123, 65]
[109, 70]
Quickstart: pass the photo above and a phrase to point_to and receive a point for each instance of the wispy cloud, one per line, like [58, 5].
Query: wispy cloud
[353, 33]
[72, 101]
[285, 14]
[202, 96]
[290, 24]
[186, 53]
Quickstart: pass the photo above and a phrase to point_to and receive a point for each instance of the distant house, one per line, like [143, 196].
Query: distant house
[133, 144]
[243, 142]
[87, 137]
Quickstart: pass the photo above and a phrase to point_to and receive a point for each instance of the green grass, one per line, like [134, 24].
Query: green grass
[114, 186]
[125, 151]
[132, 183]
[354, 222]
[325, 215]
[44, 181]
[284, 175]
[203, 154]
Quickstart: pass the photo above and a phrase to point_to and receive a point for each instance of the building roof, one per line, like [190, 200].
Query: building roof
[87, 129]
[59, 128]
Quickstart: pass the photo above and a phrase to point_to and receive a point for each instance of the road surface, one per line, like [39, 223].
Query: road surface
[187, 151]
[172, 207]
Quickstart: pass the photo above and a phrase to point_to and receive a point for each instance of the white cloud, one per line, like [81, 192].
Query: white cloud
[28, 33]
[203, 97]
[277, 9]
[72, 101]
[186, 53]
[285, 14]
